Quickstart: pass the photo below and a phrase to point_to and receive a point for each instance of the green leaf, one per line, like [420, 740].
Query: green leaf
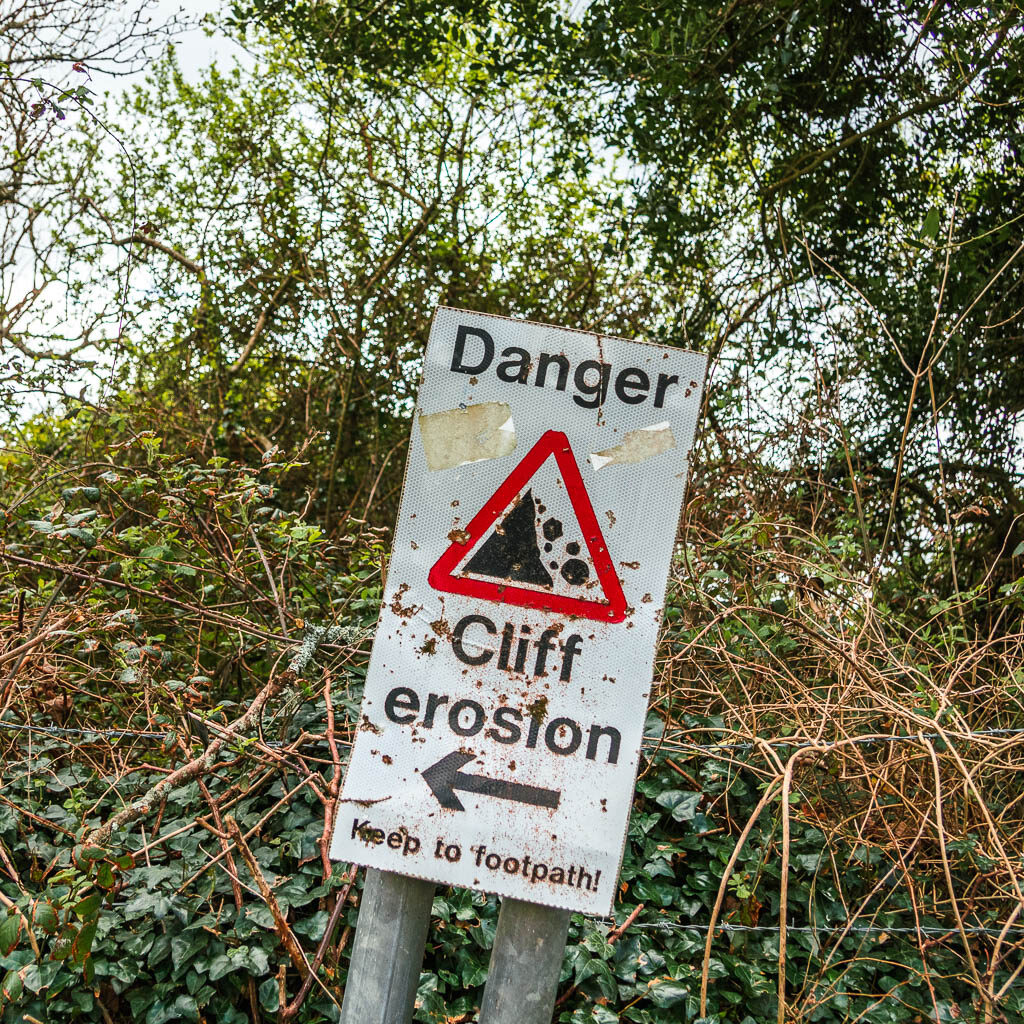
[930, 227]
[221, 965]
[88, 493]
[668, 993]
[44, 917]
[252, 958]
[61, 948]
[599, 971]
[186, 945]
[268, 993]
[89, 906]
[82, 945]
[85, 537]
[183, 1007]
[12, 986]
[682, 803]
[10, 929]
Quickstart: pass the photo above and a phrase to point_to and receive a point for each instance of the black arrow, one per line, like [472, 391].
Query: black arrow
[443, 777]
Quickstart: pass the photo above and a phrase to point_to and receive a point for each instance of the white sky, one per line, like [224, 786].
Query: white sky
[188, 24]
[196, 48]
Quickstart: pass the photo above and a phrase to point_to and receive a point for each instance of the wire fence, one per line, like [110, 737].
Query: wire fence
[649, 743]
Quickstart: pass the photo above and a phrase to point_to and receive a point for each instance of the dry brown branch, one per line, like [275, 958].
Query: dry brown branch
[194, 768]
[612, 937]
[290, 1011]
[284, 932]
[260, 325]
[766, 798]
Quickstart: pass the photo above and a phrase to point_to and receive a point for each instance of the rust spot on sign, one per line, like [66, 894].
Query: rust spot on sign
[538, 709]
[396, 603]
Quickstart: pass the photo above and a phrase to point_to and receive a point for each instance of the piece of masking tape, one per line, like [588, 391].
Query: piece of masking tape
[636, 446]
[473, 434]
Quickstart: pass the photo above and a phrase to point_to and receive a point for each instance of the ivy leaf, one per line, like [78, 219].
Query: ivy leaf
[268, 993]
[186, 945]
[252, 958]
[669, 993]
[599, 971]
[184, 1006]
[682, 803]
[221, 965]
[86, 537]
[88, 493]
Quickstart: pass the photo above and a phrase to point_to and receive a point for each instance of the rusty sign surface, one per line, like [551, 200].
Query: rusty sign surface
[505, 701]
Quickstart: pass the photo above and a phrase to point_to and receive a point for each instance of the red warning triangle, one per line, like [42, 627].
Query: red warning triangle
[507, 590]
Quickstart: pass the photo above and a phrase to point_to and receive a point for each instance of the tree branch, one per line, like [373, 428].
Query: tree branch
[194, 768]
[168, 250]
[414, 232]
[261, 323]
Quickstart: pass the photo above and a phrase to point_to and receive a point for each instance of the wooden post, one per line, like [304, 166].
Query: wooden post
[387, 955]
[522, 979]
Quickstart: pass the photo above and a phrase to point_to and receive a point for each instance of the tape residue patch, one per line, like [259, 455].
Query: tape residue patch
[636, 446]
[473, 434]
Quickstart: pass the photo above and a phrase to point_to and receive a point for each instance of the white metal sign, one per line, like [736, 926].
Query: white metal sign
[508, 686]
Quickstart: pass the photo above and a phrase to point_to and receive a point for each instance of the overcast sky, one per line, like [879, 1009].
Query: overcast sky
[189, 23]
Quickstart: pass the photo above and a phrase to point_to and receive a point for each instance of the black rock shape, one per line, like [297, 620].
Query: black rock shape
[513, 554]
[552, 529]
[575, 571]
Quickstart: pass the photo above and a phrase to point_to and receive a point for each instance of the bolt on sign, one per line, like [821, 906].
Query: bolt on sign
[507, 691]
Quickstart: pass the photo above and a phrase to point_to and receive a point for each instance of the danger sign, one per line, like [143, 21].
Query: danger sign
[515, 566]
[507, 691]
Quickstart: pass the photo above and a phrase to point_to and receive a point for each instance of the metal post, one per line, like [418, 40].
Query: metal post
[387, 955]
[525, 963]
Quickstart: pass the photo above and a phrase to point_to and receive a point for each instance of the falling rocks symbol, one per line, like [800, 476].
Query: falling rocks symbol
[509, 562]
[514, 553]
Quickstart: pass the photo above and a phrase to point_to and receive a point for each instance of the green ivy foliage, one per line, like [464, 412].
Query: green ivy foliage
[152, 952]
[148, 570]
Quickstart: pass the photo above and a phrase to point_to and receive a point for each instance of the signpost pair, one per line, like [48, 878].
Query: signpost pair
[504, 707]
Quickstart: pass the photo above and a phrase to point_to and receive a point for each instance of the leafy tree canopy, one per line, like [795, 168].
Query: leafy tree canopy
[806, 170]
